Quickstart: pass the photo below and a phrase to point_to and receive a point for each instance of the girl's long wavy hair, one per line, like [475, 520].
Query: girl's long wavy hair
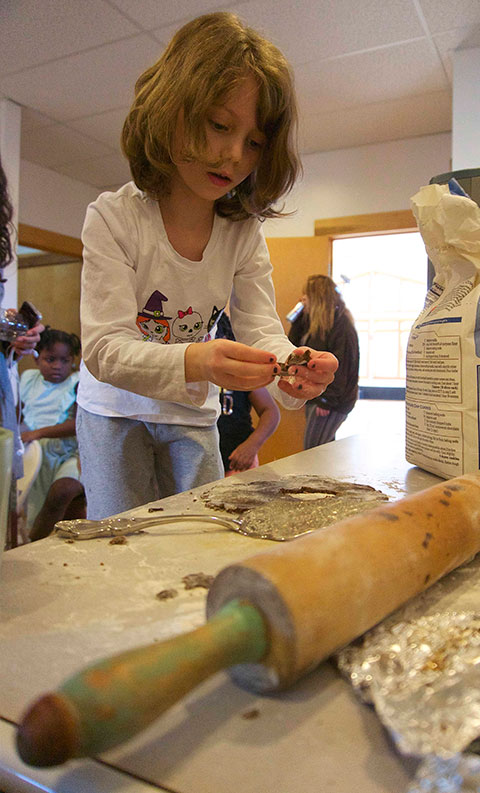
[6, 212]
[204, 61]
[324, 302]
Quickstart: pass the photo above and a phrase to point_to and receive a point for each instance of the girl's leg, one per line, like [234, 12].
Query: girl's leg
[77, 507]
[186, 457]
[117, 463]
[59, 497]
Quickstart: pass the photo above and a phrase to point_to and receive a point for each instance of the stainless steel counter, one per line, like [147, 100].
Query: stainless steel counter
[65, 604]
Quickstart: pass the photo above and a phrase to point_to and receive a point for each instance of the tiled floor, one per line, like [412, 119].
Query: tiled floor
[374, 416]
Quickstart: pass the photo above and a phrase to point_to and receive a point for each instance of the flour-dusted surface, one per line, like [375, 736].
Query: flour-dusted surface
[80, 601]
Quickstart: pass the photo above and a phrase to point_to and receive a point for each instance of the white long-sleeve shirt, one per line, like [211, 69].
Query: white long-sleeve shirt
[142, 303]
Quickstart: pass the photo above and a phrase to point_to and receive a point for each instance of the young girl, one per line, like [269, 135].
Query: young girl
[48, 396]
[326, 324]
[209, 141]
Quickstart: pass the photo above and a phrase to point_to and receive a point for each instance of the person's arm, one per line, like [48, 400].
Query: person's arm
[343, 343]
[63, 430]
[242, 457]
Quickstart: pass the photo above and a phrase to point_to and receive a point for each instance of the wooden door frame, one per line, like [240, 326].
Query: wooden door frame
[41, 239]
[398, 221]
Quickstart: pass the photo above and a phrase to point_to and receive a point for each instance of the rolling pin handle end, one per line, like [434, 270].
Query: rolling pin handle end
[47, 735]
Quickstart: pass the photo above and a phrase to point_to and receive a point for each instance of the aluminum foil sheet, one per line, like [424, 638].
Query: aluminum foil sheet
[422, 675]
[458, 773]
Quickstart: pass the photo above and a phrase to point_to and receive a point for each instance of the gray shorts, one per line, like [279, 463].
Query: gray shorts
[126, 462]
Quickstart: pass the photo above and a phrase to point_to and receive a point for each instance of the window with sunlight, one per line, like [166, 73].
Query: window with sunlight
[383, 280]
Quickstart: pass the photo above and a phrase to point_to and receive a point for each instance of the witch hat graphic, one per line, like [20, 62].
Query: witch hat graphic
[154, 306]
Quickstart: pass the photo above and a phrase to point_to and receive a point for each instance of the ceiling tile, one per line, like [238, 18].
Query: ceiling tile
[58, 145]
[34, 32]
[31, 119]
[316, 30]
[376, 123]
[441, 16]
[105, 127]
[99, 171]
[151, 13]
[112, 188]
[405, 69]
[81, 85]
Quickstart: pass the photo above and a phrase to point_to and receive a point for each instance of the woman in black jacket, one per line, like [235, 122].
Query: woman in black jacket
[326, 324]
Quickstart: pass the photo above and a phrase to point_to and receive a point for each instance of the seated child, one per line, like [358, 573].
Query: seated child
[48, 396]
[240, 441]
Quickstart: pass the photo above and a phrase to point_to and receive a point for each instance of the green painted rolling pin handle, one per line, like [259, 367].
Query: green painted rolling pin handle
[114, 699]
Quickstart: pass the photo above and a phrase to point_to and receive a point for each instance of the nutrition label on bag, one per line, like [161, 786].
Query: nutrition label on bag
[434, 367]
[434, 436]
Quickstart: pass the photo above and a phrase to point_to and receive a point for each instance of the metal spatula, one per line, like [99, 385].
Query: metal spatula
[84, 529]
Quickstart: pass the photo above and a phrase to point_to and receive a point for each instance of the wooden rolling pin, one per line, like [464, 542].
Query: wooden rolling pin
[272, 617]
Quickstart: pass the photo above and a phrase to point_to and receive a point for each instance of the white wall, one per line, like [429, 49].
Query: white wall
[466, 109]
[10, 121]
[376, 178]
[51, 201]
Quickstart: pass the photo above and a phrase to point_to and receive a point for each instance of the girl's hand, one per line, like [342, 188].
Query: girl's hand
[321, 411]
[229, 364]
[311, 380]
[25, 345]
[241, 459]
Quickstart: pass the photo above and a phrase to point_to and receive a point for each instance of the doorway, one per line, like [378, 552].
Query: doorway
[372, 414]
[383, 280]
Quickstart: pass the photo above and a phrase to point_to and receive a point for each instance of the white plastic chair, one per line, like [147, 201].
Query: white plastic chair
[6, 452]
[32, 460]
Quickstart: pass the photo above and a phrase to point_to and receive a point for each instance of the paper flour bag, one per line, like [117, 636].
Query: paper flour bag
[443, 353]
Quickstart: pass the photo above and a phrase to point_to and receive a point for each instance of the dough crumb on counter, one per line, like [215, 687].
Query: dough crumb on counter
[251, 714]
[166, 594]
[193, 580]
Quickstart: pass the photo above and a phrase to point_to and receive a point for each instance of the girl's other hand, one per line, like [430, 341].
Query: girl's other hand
[25, 345]
[229, 364]
[308, 382]
[243, 457]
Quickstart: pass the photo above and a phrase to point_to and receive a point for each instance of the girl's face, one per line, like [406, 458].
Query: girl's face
[55, 363]
[234, 141]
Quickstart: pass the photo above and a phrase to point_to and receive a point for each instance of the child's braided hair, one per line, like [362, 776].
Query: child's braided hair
[50, 336]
